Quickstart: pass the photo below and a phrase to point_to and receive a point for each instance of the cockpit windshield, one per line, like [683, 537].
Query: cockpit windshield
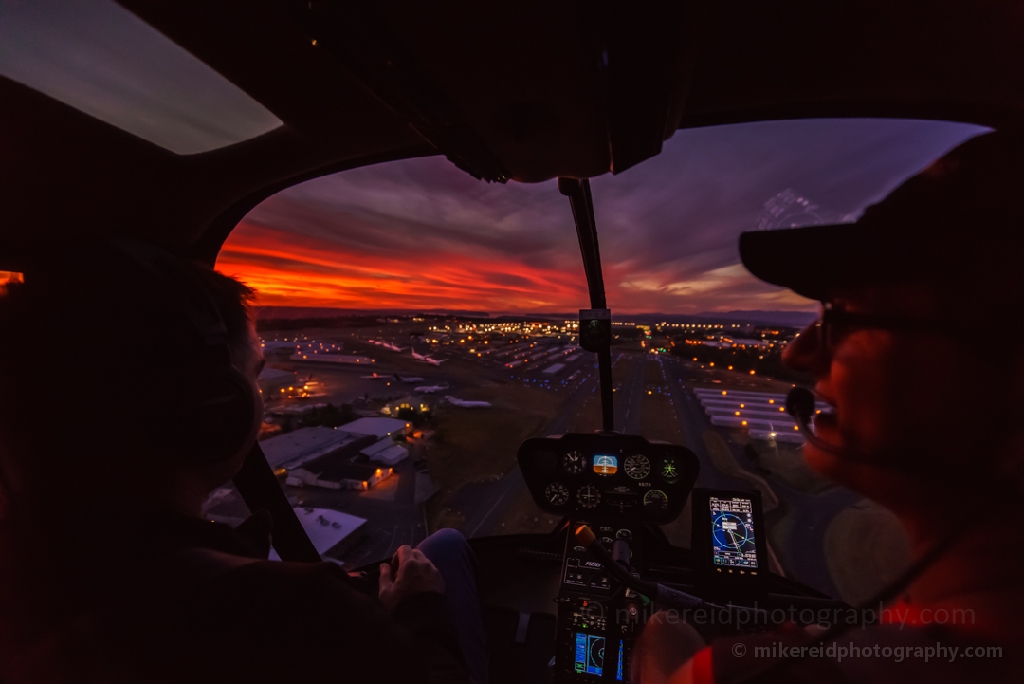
[418, 325]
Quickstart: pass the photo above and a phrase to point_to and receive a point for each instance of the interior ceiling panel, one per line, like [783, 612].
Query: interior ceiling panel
[523, 90]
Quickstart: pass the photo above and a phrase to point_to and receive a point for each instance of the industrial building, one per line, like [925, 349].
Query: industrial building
[337, 470]
[292, 449]
[329, 530]
[762, 414]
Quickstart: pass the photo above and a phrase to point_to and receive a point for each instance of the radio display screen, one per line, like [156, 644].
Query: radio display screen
[733, 537]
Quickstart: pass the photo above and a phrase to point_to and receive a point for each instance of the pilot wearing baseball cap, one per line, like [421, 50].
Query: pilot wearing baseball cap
[919, 350]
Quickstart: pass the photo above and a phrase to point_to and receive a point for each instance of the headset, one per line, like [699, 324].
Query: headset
[221, 410]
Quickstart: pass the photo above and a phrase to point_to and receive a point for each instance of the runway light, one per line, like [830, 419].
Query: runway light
[743, 406]
[743, 423]
[723, 393]
[752, 373]
[771, 401]
[782, 409]
[737, 413]
[796, 427]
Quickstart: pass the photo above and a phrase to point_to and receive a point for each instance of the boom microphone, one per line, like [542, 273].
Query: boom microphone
[800, 405]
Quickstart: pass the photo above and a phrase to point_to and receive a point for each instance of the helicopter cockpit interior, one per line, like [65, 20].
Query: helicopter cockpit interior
[276, 93]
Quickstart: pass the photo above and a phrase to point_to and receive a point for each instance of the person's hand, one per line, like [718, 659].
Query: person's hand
[664, 650]
[415, 575]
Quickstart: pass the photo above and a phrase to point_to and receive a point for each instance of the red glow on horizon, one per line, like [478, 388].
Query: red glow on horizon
[291, 270]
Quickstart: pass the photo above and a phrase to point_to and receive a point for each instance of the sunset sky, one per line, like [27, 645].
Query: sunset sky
[420, 234]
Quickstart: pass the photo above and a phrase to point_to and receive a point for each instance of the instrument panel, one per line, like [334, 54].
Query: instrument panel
[602, 474]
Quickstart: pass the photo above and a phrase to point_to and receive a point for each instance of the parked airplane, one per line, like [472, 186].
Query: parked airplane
[455, 401]
[407, 378]
[388, 345]
[430, 389]
[421, 357]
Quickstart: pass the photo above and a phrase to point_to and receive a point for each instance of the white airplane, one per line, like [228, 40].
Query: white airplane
[388, 345]
[430, 389]
[421, 357]
[455, 401]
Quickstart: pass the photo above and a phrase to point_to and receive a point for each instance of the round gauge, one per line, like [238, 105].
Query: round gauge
[637, 466]
[624, 533]
[557, 494]
[655, 501]
[669, 469]
[588, 496]
[574, 462]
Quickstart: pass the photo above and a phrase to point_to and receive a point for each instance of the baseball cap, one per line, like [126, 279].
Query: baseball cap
[960, 222]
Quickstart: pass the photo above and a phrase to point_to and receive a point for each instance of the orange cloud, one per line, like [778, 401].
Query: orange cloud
[288, 269]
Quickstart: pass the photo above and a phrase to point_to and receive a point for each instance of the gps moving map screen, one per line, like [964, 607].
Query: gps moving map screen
[590, 655]
[733, 538]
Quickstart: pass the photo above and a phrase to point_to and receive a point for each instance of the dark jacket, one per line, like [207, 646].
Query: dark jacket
[180, 599]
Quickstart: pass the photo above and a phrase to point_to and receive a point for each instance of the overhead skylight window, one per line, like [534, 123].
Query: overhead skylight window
[103, 60]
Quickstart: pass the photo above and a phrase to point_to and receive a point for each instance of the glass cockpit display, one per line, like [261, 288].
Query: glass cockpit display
[589, 654]
[733, 535]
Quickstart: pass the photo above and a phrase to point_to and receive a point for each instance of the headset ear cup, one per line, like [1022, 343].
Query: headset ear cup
[223, 418]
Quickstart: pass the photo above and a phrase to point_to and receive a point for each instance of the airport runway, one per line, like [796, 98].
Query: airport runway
[803, 558]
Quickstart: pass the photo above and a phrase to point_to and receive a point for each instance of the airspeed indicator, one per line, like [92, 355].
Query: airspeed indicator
[574, 462]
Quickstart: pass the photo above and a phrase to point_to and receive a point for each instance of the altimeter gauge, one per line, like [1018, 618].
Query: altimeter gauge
[637, 466]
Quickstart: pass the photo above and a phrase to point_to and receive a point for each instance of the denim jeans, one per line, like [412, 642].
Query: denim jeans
[449, 551]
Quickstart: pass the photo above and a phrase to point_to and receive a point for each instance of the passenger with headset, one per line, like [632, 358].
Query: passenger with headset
[128, 391]
[918, 349]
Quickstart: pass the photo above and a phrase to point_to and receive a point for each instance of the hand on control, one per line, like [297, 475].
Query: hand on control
[415, 575]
